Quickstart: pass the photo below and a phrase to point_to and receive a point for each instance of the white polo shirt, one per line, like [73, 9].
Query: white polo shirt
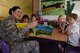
[73, 38]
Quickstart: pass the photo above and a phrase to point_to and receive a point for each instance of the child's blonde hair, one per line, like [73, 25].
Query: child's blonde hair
[61, 16]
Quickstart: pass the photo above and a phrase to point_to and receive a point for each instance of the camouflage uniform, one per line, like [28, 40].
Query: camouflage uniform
[15, 37]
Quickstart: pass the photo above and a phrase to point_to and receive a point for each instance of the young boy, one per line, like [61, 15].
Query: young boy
[73, 33]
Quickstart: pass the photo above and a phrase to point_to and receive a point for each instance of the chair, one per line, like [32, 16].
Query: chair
[4, 47]
[73, 51]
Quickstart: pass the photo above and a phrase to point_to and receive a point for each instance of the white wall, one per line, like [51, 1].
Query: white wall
[49, 17]
[77, 8]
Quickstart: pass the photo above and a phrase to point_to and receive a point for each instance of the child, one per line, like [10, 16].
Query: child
[73, 33]
[62, 23]
[32, 19]
[25, 19]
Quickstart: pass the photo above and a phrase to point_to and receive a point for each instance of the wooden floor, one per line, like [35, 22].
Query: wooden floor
[55, 36]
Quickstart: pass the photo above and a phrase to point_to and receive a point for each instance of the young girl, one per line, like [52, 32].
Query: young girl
[25, 19]
[73, 33]
[62, 23]
[32, 19]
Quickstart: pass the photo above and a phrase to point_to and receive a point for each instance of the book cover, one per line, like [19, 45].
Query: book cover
[21, 25]
[42, 29]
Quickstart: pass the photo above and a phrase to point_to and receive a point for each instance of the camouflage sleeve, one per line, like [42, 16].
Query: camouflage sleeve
[12, 31]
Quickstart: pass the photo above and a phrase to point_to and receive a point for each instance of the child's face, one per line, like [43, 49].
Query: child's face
[26, 20]
[61, 19]
[71, 21]
[34, 18]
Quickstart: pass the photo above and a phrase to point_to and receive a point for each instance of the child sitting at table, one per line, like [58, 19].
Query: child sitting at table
[61, 23]
[32, 19]
[73, 33]
[25, 19]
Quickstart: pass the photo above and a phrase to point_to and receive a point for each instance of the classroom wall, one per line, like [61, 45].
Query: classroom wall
[29, 6]
[75, 10]
[26, 6]
[35, 6]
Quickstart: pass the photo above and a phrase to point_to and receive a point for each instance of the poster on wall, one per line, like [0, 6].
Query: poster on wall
[53, 7]
[75, 0]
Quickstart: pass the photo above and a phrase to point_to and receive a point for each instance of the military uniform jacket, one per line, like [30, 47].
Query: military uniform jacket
[11, 34]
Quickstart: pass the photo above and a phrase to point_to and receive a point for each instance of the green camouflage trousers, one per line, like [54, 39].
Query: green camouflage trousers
[26, 47]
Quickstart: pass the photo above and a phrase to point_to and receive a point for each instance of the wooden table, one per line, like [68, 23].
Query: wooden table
[48, 44]
[55, 35]
[59, 36]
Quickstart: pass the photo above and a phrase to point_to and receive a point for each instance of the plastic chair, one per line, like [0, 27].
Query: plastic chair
[4, 47]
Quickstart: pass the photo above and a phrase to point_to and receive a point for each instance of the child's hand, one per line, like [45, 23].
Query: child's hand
[32, 24]
[69, 27]
[68, 30]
